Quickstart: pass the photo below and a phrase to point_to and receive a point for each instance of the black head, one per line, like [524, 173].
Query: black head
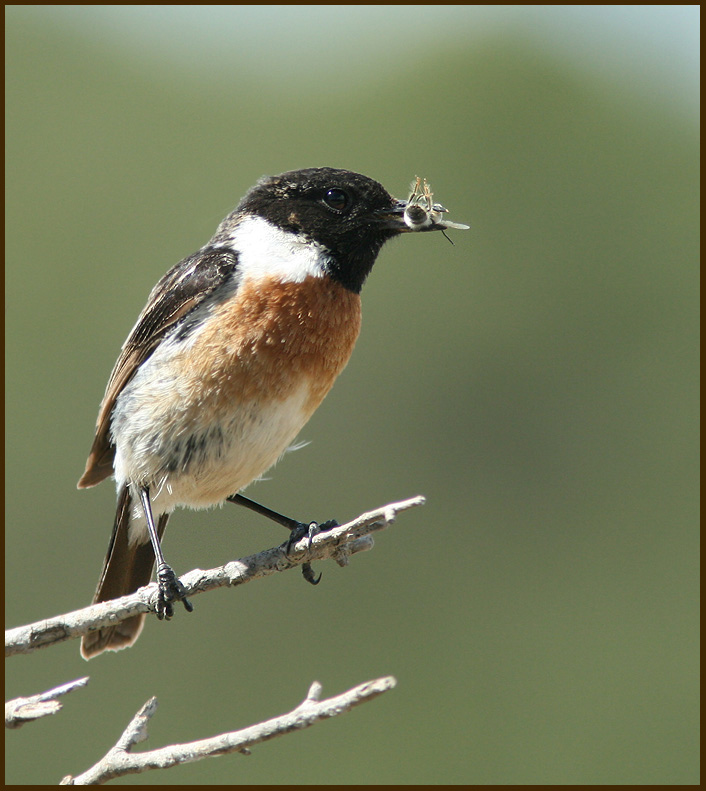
[345, 212]
[348, 214]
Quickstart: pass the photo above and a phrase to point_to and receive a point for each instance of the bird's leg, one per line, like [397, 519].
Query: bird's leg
[298, 530]
[170, 589]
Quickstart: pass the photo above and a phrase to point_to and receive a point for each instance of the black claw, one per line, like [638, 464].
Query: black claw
[188, 606]
[308, 574]
[170, 590]
[308, 531]
[296, 535]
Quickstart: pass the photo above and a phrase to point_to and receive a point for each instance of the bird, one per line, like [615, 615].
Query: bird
[237, 346]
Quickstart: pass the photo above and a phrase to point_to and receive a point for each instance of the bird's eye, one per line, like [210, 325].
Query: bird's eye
[337, 199]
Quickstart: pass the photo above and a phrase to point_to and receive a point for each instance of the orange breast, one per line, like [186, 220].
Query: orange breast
[275, 336]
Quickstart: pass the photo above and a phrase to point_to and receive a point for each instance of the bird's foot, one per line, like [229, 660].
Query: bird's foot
[310, 530]
[170, 590]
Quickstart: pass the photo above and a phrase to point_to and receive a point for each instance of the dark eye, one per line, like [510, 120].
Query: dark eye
[337, 199]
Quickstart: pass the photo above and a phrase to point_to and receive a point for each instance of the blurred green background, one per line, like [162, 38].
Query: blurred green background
[538, 382]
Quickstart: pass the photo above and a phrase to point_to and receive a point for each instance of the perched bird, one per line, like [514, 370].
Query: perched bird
[237, 346]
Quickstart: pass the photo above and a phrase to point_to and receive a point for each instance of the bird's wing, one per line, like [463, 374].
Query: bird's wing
[178, 293]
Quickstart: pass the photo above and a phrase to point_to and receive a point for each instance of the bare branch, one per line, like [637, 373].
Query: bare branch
[22, 710]
[120, 760]
[338, 543]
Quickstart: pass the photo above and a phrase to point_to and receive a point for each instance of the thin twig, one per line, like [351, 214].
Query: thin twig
[338, 543]
[22, 710]
[120, 760]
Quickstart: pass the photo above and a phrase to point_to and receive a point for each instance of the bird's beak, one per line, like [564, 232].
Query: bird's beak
[406, 216]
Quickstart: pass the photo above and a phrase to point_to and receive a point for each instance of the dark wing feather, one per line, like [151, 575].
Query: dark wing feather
[177, 294]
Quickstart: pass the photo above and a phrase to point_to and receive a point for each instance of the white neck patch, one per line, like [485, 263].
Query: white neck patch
[264, 250]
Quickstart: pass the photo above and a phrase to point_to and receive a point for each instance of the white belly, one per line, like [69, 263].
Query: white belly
[200, 462]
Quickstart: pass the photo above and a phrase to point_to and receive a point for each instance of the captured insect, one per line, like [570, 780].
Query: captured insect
[422, 213]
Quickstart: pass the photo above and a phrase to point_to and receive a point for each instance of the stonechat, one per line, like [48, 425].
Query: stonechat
[237, 346]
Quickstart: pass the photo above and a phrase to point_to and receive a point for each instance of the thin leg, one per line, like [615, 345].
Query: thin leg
[285, 521]
[170, 589]
[298, 530]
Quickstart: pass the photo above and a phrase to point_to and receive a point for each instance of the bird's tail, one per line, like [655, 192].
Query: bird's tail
[127, 567]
